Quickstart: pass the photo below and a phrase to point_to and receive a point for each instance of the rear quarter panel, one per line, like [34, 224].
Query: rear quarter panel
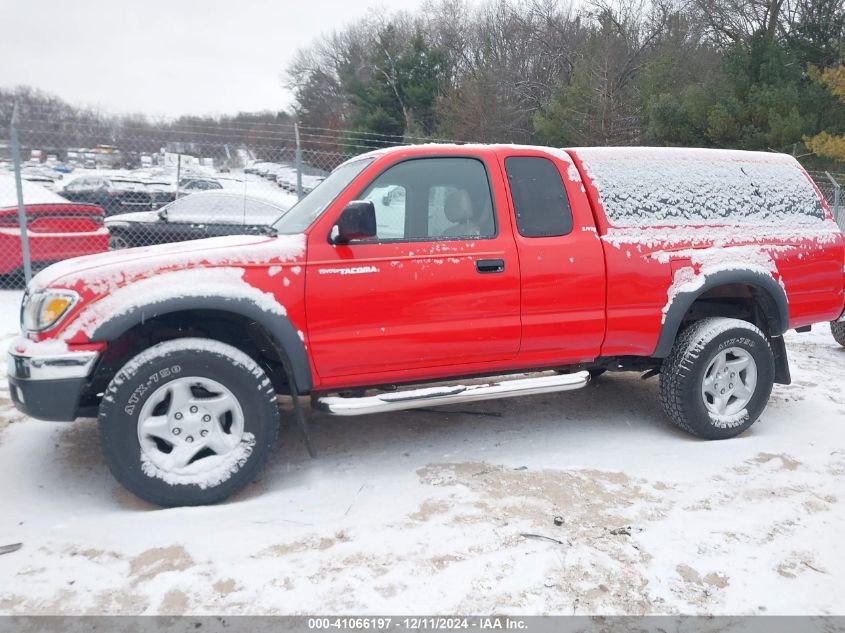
[647, 267]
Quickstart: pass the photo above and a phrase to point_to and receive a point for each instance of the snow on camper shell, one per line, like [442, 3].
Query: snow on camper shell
[672, 187]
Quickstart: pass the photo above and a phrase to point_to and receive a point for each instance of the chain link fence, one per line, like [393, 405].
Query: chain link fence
[90, 187]
[93, 186]
[830, 186]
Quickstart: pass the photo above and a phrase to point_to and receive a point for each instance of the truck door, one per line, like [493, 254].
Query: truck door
[561, 260]
[438, 286]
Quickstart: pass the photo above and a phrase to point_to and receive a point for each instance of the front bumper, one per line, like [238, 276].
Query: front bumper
[46, 383]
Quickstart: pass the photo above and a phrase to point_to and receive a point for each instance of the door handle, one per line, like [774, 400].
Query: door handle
[485, 266]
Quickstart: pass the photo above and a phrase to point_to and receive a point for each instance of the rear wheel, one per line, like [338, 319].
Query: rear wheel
[188, 422]
[838, 330]
[717, 378]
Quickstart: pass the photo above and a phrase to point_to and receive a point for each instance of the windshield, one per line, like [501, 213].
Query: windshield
[304, 212]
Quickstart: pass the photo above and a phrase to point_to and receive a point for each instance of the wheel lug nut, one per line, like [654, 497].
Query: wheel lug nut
[203, 433]
[189, 439]
[206, 418]
[722, 391]
[194, 409]
[178, 416]
[177, 431]
[731, 386]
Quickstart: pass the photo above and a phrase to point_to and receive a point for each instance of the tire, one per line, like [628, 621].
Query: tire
[188, 422]
[838, 331]
[692, 385]
[595, 372]
[117, 243]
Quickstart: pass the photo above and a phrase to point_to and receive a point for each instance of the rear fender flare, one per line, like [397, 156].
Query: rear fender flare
[777, 309]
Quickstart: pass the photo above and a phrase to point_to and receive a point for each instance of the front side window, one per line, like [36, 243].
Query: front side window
[304, 212]
[432, 199]
[539, 198]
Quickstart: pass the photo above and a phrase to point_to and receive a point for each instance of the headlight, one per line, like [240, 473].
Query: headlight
[44, 309]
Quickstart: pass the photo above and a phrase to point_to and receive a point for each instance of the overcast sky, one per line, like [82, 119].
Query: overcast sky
[166, 57]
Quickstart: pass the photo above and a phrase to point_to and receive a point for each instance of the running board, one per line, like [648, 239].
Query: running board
[451, 394]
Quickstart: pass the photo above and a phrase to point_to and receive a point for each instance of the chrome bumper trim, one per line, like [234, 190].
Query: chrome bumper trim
[451, 394]
[26, 366]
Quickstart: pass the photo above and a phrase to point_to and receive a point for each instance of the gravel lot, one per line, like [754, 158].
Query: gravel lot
[453, 511]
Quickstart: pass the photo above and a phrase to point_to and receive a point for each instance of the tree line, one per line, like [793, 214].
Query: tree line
[748, 74]
[46, 121]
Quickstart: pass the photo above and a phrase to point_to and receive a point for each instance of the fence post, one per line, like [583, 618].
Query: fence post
[16, 160]
[840, 218]
[298, 163]
[178, 172]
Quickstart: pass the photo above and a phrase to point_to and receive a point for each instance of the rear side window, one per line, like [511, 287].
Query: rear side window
[539, 198]
[672, 187]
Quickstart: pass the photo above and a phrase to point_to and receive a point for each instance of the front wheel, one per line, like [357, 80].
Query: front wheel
[717, 378]
[838, 331]
[188, 422]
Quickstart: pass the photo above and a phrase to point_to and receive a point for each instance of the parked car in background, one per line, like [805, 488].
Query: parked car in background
[287, 181]
[44, 176]
[196, 216]
[62, 168]
[253, 166]
[161, 192]
[114, 195]
[57, 229]
[265, 169]
[193, 185]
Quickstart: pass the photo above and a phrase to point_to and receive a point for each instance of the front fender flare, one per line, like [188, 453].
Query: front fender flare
[220, 289]
[282, 332]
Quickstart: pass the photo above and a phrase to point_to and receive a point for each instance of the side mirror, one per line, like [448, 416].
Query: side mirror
[357, 222]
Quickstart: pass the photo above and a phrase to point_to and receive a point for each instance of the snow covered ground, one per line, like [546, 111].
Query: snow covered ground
[453, 511]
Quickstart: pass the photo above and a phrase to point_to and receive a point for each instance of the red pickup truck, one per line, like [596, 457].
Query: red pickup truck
[412, 272]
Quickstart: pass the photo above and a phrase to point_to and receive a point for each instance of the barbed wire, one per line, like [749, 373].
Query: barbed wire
[273, 124]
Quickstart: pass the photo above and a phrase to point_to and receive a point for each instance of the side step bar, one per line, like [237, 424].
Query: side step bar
[451, 394]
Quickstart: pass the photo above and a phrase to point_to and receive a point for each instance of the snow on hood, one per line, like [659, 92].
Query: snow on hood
[144, 293]
[104, 272]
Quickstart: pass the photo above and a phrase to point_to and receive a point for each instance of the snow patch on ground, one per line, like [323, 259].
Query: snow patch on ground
[434, 511]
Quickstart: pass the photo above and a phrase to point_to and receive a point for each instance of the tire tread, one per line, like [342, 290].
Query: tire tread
[683, 359]
[162, 351]
[838, 331]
